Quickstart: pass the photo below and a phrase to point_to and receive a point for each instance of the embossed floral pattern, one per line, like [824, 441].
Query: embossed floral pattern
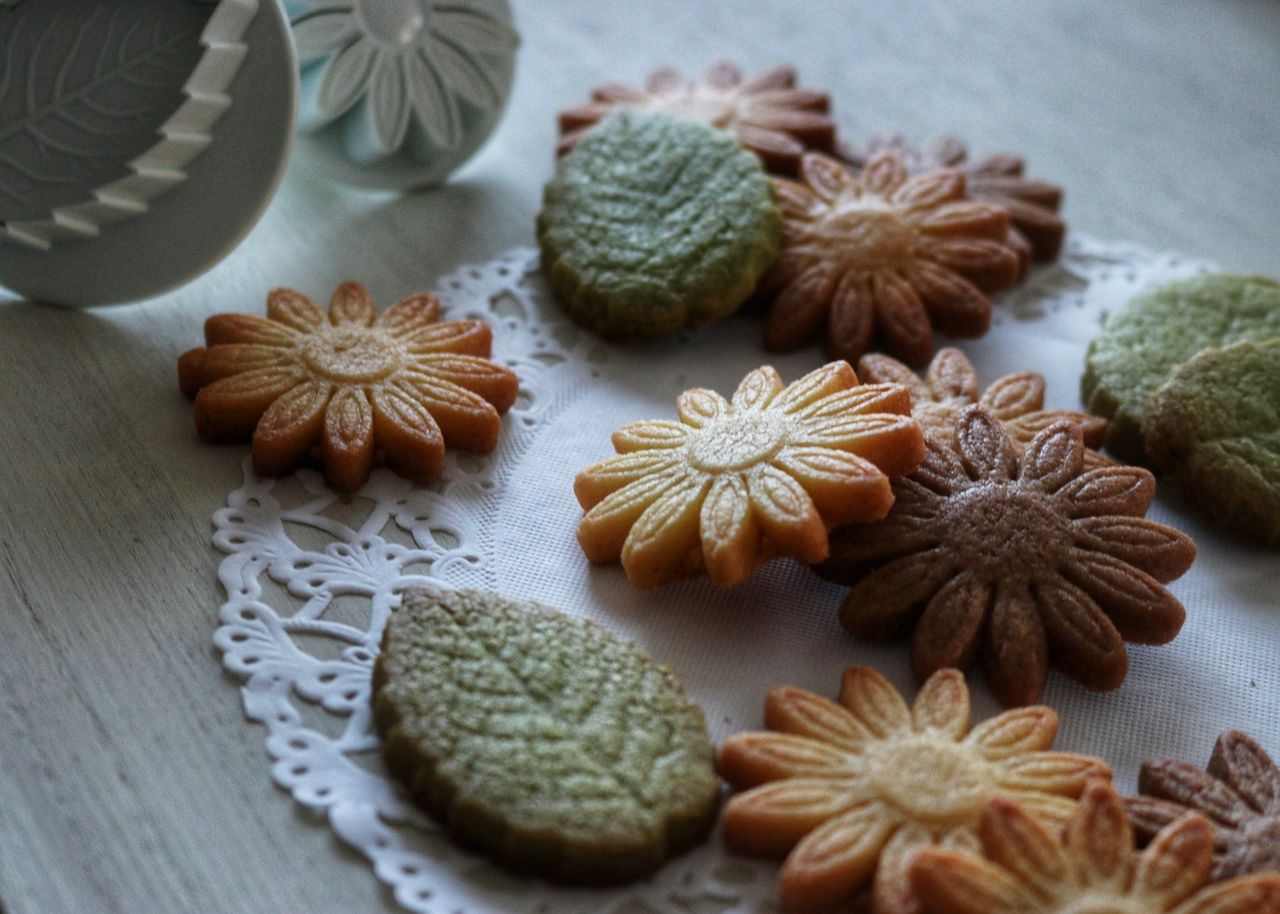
[733, 483]
[768, 113]
[950, 384]
[348, 386]
[1240, 794]
[883, 259]
[1037, 230]
[1022, 560]
[848, 792]
[413, 61]
[1091, 869]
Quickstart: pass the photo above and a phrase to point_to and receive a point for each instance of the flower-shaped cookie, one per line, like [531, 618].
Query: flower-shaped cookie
[1240, 793]
[767, 113]
[1025, 560]
[951, 384]
[848, 790]
[734, 483]
[1032, 205]
[348, 388]
[883, 258]
[1091, 869]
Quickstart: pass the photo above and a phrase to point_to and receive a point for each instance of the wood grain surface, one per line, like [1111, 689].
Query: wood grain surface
[129, 779]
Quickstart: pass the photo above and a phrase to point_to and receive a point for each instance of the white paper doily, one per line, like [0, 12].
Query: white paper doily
[310, 581]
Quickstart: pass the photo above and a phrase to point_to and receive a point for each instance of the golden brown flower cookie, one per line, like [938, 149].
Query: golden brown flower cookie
[767, 113]
[950, 384]
[1240, 794]
[734, 483]
[1091, 869]
[1033, 205]
[1025, 561]
[848, 792]
[348, 388]
[883, 258]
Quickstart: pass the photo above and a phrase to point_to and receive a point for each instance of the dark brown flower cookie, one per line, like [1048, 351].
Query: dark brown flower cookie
[884, 258]
[1033, 205]
[950, 384]
[1240, 794]
[1025, 561]
[768, 113]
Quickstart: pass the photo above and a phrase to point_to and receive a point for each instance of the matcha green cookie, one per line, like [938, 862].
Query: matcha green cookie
[541, 739]
[653, 223]
[1161, 329]
[1214, 425]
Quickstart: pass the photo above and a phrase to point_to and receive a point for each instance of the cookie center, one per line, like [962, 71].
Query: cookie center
[392, 23]
[1006, 529]
[932, 781]
[869, 234]
[351, 355]
[736, 442]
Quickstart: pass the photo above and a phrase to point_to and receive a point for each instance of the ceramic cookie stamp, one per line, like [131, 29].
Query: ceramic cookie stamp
[847, 792]
[349, 388]
[399, 93]
[734, 483]
[1020, 561]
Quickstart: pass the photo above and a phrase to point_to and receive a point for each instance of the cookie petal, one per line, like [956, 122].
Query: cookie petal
[351, 305]
[891, 889]
[758, 389]
[952, 883]
[496, 383]
[1014, 733]
[200, 367]
[1054, 457]
[1160, 551]
[597, 482]
[1259, 894]
[800, 712]
[228, 410]
[658, 547]
[729, 530]
[1086, 644]
[347, 441]
[1014, 395]
[1059, 773]
[699, 407]
[834, 860]
[802, 397]
[770, 820]
[413, 313]
[748, 759]
[851, 319]
[1177, 862]
[955, 305]
[874, 701]
[951, 377]
[652, 434]
[884, 174]
[1142, 610]
[1023, 847]
[1098, 839]
[289, 427]
[603, 531]
[799, 309]
[248, 328]
[886, 602]
[825, 176]
[1244, 766]
[1108, 491]
[860, 400]
[469, 337]
[787, 515]
[1017, 655]
[410, 438]
[949, 630]
[985, 449]
[1148, 815]
[878, 368]
[942, 705]
[467, 420]
[901, 321]
[844, 487]
[931, 189]
[963, 217]
[293, 309]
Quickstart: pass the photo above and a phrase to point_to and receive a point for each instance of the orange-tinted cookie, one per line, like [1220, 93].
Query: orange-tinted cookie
[732, 484]
[767, 113]
[848, 792]
[1091, 869]
[1024, 561]
[950, 384]
[1033, 205]
[348, 388]
[883, 259]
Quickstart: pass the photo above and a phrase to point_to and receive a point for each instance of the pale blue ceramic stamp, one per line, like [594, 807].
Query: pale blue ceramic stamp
[399, 93]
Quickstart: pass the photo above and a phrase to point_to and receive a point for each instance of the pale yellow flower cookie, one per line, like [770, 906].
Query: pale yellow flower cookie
[734, 483]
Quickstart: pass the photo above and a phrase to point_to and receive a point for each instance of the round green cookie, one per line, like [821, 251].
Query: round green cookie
[1214, 425]
[540, 739]
[653, 223]
[1161, 329]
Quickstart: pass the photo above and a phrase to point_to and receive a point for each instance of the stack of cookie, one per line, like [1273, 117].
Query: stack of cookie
[1189, 377]
[651, 224]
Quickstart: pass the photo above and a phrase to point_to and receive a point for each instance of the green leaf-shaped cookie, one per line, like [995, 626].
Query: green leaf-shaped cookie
[541, 739]
[1214, 426]
[1161, 329]
[653, 223]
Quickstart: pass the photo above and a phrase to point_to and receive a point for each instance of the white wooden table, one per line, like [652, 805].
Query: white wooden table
[129, 779]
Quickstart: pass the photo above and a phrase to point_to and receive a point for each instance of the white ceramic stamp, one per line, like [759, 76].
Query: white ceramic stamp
[399, 93]
[127, 165]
